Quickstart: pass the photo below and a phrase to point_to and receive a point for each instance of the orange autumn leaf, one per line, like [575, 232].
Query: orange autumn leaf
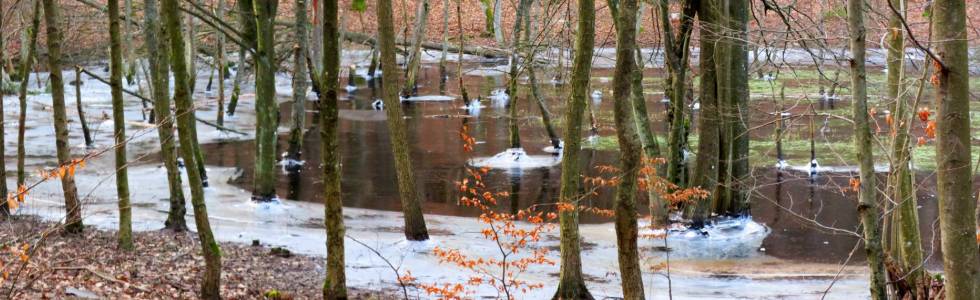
[922, 141]
[924, 114]
[855, 184]
[21, 193]
[931, 129]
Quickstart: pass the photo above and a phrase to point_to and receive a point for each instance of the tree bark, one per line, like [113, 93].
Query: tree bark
[571, 283]
[185, 119]
[739, 97]
[160, 76]
[498, 30]
[119, 128]
[266, 109]
[335, 285]
[300, 84]
[4, 205]
[870, 212]
[627, 229]
[905, 218]
[52, 23]
[415, 53]
[676, 56]
[222, 67]
[415, 229]
[536, 90]
[957, 220]
[514, 131]
[705, 173]
[27, 60]
[89, 144]
[248, 31]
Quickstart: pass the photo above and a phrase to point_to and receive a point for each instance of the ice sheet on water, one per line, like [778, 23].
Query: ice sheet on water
[289, 164]
[723, 239]
[499, 97]
[516, 159]
[880, 168]
[553, 150]
[425, 98]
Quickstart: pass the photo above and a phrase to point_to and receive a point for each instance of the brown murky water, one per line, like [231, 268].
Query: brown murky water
[781, 200]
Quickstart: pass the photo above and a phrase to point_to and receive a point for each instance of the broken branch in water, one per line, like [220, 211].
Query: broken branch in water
[141, 97]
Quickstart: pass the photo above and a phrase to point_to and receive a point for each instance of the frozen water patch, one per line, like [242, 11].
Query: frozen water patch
[516, 159]
[781, 164]
[724, 239]
[429, 98]
[291, 165]
[553, 150]
[814, 169]
[499, 97]
[473, 108]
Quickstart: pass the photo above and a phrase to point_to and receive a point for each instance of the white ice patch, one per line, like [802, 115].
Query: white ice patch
[499, 97]
[724, 239]
[515, 159]
[781, 164]
[551, 149]
[363, 73]
[430, 98]
[879, 168]
[473, 108]
[289, 163]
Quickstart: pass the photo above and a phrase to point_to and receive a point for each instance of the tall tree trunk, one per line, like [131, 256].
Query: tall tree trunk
[415, 229]
[445, 43]
[335, 285]
[571, 283]
[185, 118]
[706, 165]
[739, 97]
[222, 67]
[906, 218]
[868, 208]
[160, 76]
[676, 54]
[27, 60]
[721, 195]
[86, 134]
[957, 220]
[130, 63]
[415, 53]
[236, 85]
[248, 31]
[487, 16]
[4, 206]
[498, 30]
[651, 147]
[515, 135]
[52, 22]
[535, 89]
[119, 128]
[266, 109]
[631, 152]
[300, 84]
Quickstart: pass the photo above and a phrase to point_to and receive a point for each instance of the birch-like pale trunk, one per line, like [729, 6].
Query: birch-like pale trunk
[868, 208]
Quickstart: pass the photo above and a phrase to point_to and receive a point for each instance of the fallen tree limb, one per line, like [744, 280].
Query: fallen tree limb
[148, 100]
[489, 52]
